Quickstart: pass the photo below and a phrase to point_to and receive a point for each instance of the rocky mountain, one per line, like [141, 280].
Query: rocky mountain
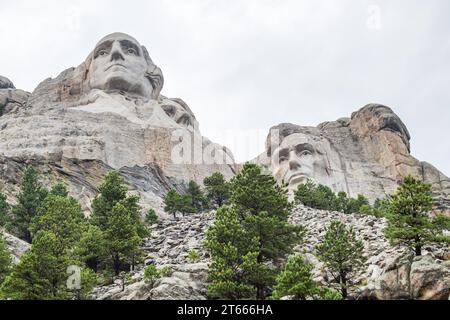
[109, 114]
[366, 154]
[106, 114]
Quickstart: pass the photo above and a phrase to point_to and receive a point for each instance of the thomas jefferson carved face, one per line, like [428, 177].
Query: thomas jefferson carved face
[121, 64]
[298, 158]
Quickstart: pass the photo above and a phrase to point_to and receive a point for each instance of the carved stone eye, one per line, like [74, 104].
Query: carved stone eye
[283, 159]
[102, 53]
[305, 153]
[131, 51]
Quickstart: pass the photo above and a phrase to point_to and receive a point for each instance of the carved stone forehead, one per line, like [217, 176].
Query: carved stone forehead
[297, 138]
[118, 36]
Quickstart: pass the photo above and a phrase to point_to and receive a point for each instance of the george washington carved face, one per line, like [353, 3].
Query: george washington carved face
[120, 64]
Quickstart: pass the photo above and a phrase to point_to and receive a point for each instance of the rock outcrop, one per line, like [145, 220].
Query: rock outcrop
[16, 246]
[169, 246]
[172, 240]
[5, 83]
[108, 111]
[366, 154]
[11, 98]
[409, 277]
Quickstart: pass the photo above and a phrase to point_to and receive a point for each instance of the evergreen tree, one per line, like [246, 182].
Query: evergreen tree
[5, 259]
[59, 189]
[151, 217]
[263, 209]
[31, 195]
[91, 249]
[4, 210]
[382, 207]
[198, 201]
[172, 202]
[41, 273]
[122, 238]
[217, 189]
[355, 205]
[185, 205]
[62, 216]
[409, 220]
[88, 281]
[342, 203]
[295, 280]
[233, 255]
[316, 196]
[112, 192]
[342, 254]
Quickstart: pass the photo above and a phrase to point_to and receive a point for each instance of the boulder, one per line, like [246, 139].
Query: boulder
[5, 83]
[409, 277]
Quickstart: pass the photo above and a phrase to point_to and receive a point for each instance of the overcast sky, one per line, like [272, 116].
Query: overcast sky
[244, 66]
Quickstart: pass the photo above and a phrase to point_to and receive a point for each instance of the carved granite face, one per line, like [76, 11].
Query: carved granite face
[119, 64]
[298, 158]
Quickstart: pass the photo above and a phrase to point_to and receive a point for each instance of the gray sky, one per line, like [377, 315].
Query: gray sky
[244, 66]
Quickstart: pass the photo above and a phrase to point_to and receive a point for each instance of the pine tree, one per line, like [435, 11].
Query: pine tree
[342, 254]
[88, 281]
[295, 280]
[112, 192]
[233, 255]
[31, 195]
[355, 205]
[342, 203]
[62, 216]
[5, 259]
[151, 217]
[185, 205]
[409, 219]
[59, 189]
[4, 210]
[198, 201]
[217, 189]
[91, 249]
[122, 238]
[172, 202]
[263, 209]
[41, 273]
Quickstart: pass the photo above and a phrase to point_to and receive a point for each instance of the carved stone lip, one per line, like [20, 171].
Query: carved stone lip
[297, 177]
[115, 65]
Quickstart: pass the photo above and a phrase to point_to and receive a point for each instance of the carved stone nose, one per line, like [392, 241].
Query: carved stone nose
[294, 162]
[116, 55]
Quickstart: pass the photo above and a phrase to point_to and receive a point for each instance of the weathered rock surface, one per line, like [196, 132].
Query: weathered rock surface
[11, 99]
[367, 154]
[173, 239]
[5, 83]
[108, 113]
[169, 246]
[409, 277]
[17, 246]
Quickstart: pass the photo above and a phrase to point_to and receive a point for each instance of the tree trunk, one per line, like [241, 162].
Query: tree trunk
[27, 236]
[344, 286]
[116, 265]
[417, 246]
[260, 287]
[418, 249]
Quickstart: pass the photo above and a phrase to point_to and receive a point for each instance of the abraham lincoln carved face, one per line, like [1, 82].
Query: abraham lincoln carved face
[120, 64]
